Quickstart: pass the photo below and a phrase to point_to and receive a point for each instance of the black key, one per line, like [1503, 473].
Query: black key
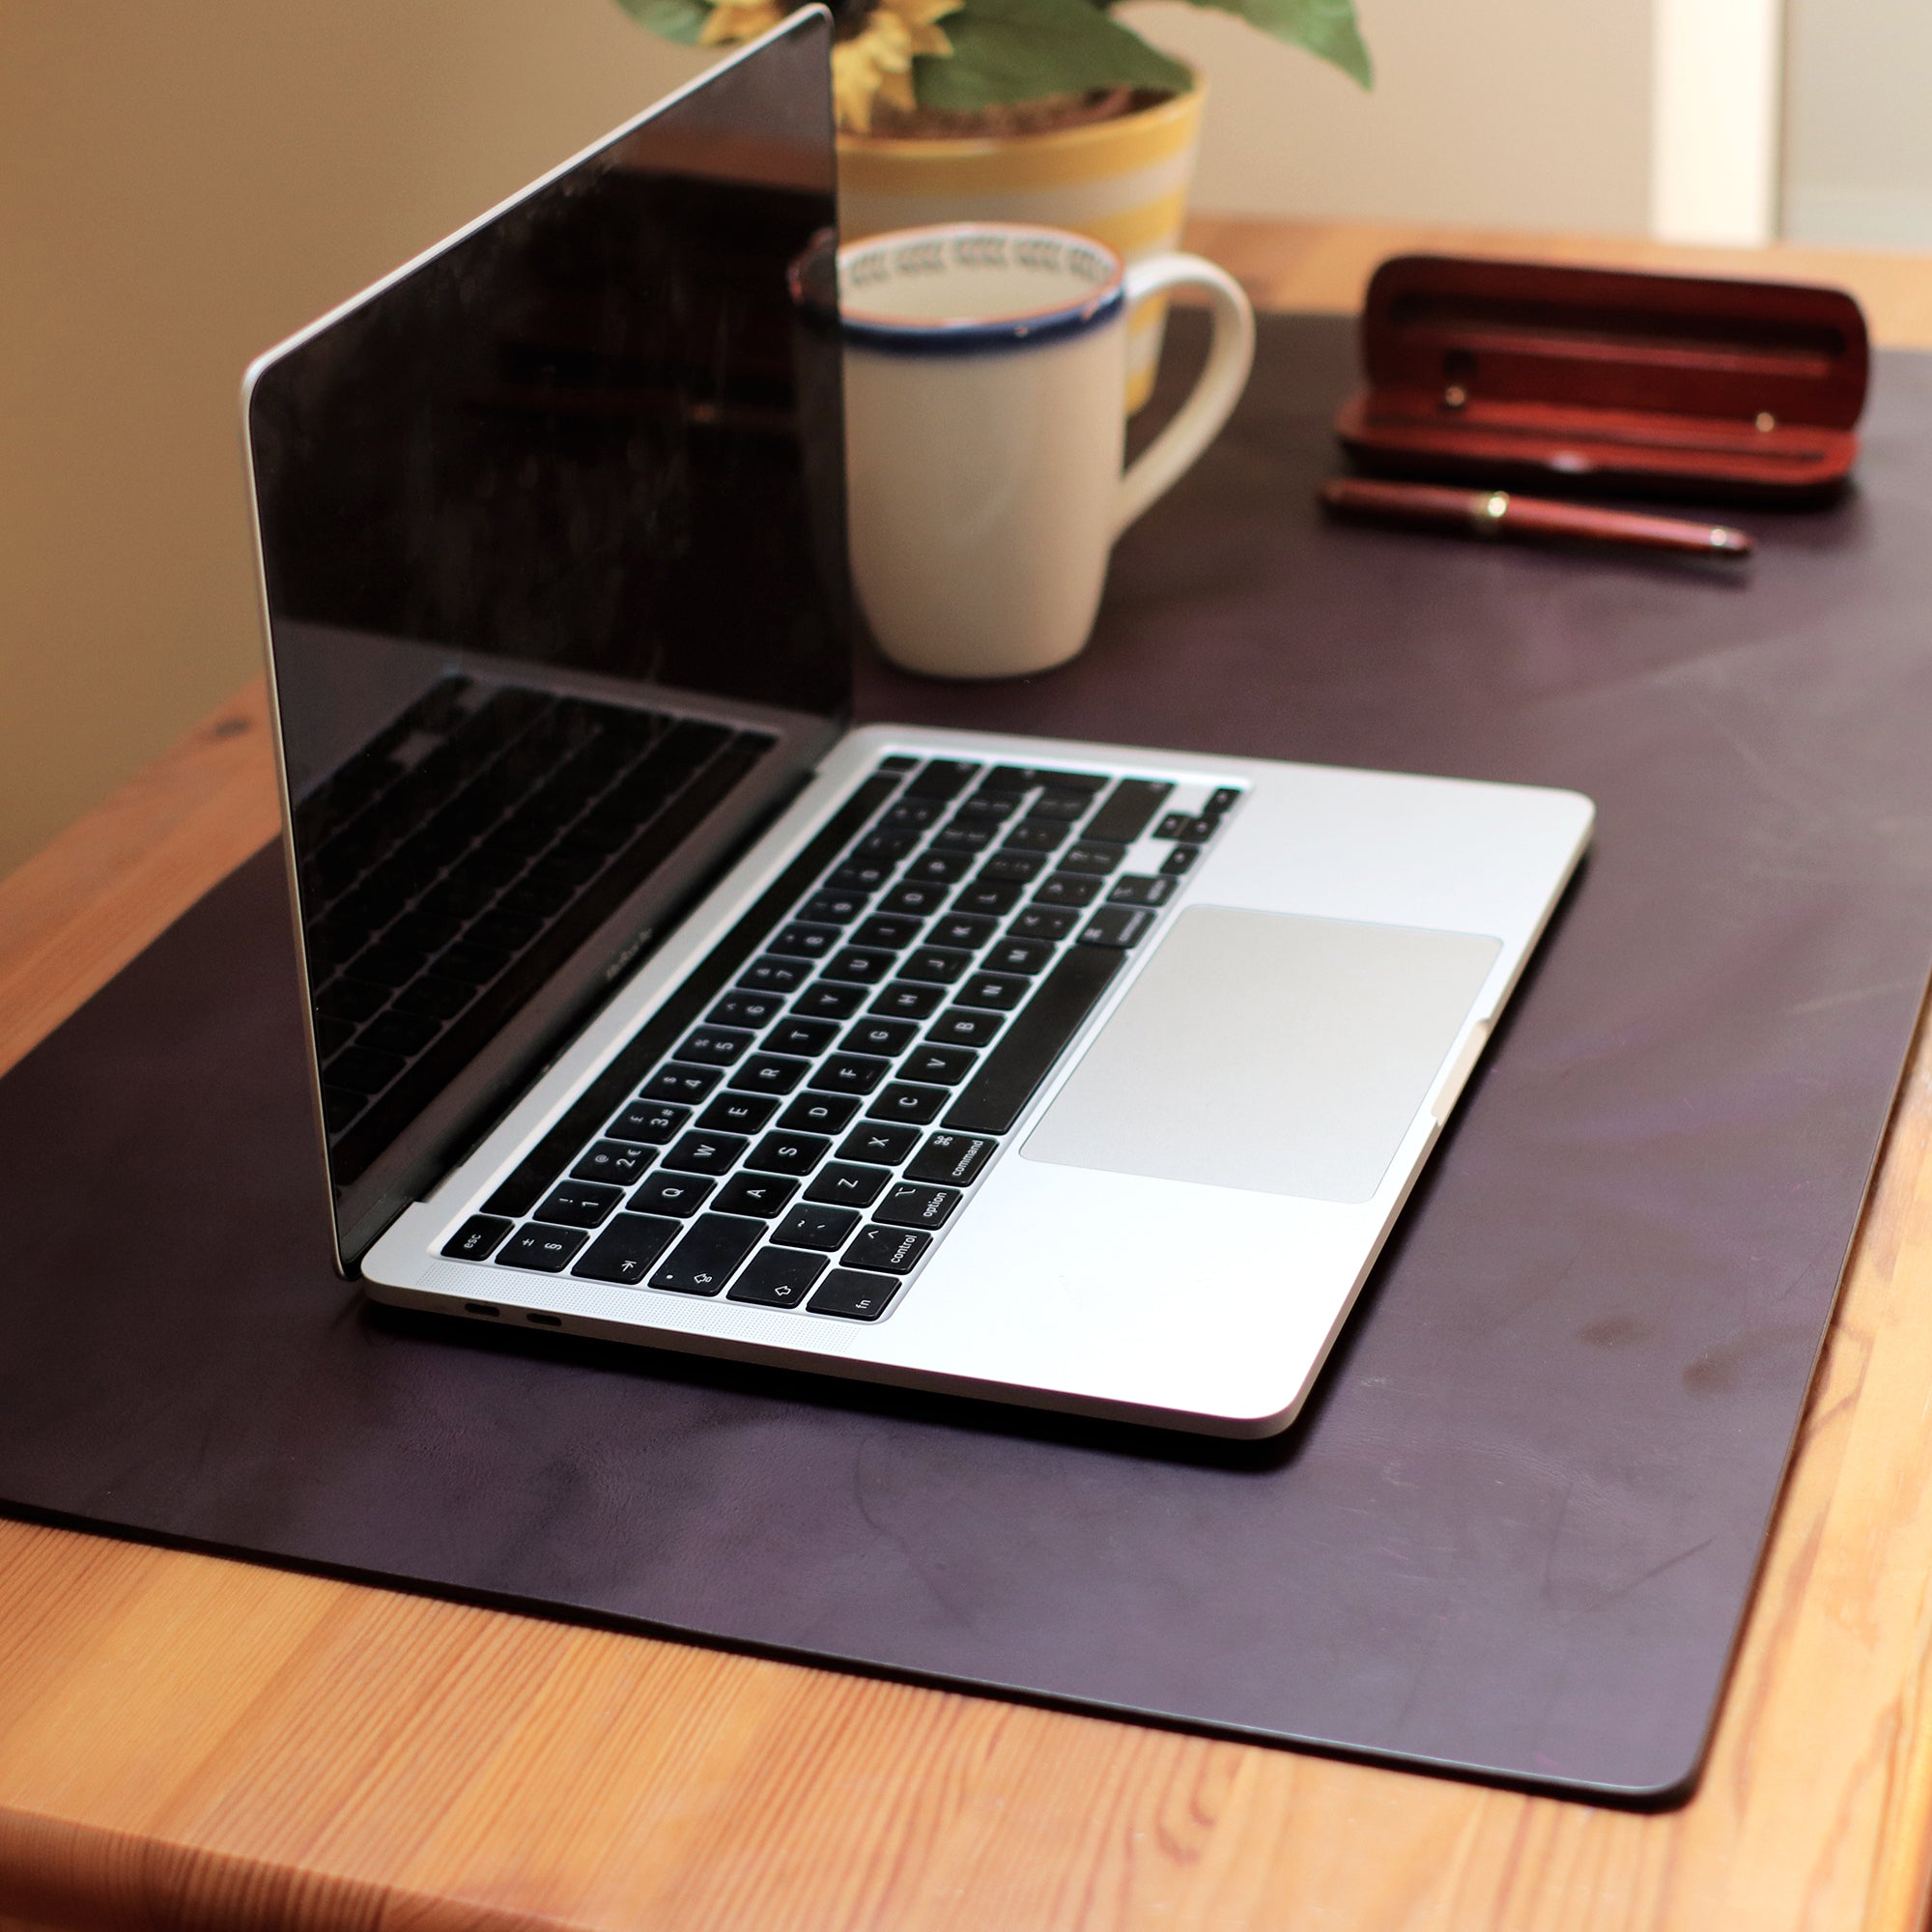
[942, 778]
[869, 1142]
[1017, 956]
[1116, 925]
[766, 1073]
[714, 1046]
[833, 908]
[1185, 825]
[815, 1227]
[358, 999]
[1008, 778]
[1224, 800]
[542, 1247]
[1012, 868]
[677, 1082]
[913, 1105]
[902, 1000]
[886, 1250]
[778, 1279]
[1037, 835]
[436, 996]
[963, 838]
[911, 813]
[986, 808]
[702, 1261]
[616, 1161]
[998, 992]
[894, 843]
[972, 931]
[826, 1001]
[860, 966]
[859, 875]
[1180, 859]
[763, 1194]
[909, 1205]
[998, 1094]
[785, 1153]
[398, 1033]
[858, 1297]
[887, 929]
[940, 1066]
[990, 897]
[650, 1122]
[844, 1187]
[1091, 857]
[807, 941]
[477, 1238]
[1141, 889]
[849, 1073]
[1128, 810]
[878, 1037]
[706, 1154]
[939, 868]
[331, 1036]
[363, 1070]
[678, 1194]
[939, 965]
[737, 1114]
[955, 1159]
[627, 1247]
[818, 1113]
[579, 1204]
[806, 1036]
[960, 1028]
[1068, 888]
[773, 974]
[746, 1010]
[899, 763]
[1081, 781]
[1043, 923]
[1062, 808]
[917, 901]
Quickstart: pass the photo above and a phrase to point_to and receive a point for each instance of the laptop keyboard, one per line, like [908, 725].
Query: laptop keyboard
[801, 1122]
[461, 856]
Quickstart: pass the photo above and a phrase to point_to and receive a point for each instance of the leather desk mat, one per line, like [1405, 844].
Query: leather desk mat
[1516, 1530]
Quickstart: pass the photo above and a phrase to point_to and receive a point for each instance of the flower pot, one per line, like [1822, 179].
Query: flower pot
[1123, 181]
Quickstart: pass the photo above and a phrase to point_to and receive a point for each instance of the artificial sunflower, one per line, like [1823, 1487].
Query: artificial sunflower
[876, 63]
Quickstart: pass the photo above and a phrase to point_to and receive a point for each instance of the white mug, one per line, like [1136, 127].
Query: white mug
[984, 368]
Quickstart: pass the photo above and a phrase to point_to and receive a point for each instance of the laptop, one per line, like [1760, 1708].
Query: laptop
[650, 1001]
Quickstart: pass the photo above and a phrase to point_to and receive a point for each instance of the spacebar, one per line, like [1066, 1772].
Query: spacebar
[1042, 1028]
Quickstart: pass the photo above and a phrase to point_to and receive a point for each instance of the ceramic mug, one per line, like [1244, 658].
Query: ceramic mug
[984, 364]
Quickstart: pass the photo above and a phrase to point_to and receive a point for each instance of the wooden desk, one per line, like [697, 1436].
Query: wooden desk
[186, 1740]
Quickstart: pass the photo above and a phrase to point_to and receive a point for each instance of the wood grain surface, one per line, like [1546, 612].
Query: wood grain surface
[192, 1742]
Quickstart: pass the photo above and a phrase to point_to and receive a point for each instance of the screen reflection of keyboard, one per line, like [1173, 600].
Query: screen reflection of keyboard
[452, 866]
[801, 1120]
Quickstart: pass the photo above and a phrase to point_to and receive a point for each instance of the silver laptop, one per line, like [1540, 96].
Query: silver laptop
[651, 1002]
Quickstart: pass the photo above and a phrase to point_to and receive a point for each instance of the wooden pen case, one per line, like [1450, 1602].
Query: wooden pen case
[1519, 373]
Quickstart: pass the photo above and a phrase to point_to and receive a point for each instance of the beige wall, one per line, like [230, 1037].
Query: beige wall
[1504, 113]
[180, 184]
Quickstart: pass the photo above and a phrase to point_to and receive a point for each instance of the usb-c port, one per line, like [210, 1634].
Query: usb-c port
[480, 1308]
[543, 1320]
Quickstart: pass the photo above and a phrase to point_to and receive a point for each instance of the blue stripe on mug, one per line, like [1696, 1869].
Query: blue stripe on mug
[981, 338]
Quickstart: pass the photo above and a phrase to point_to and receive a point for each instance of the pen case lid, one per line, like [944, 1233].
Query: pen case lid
[1522, 372]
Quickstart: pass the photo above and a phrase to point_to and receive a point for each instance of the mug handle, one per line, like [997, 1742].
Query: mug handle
[1230, 356]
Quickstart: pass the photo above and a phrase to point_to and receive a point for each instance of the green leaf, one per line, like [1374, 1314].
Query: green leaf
[675, 19]
[1325, 27]
[1010, 50]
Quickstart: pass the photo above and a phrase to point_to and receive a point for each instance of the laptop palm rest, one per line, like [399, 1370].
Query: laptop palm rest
[1269, 1051]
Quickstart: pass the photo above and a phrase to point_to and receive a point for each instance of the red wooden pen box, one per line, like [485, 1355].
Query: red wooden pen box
[1516, 373]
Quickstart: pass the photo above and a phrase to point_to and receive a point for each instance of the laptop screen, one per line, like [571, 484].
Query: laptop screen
[552, 545]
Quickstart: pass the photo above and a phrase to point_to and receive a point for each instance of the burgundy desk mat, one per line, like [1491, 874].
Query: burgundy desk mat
[1516, 1531]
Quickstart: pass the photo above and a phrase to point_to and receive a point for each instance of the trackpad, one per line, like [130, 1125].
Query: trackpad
[1269, 1052]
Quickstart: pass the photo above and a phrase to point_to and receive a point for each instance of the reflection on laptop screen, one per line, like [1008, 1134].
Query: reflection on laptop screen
[552, 539]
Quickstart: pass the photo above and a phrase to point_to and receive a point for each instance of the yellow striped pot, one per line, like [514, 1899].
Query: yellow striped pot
[1122, 182]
